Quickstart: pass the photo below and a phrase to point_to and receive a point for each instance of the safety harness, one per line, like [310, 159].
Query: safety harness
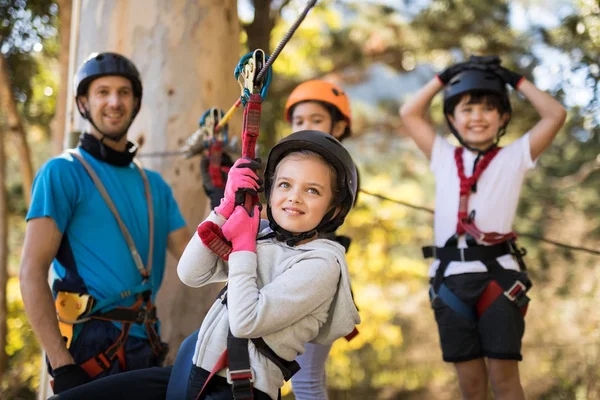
[237, 362]
[78, 308]
[485, 247]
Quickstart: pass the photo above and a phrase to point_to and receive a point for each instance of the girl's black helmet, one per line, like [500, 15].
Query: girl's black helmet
[334, 153]
[104, 64]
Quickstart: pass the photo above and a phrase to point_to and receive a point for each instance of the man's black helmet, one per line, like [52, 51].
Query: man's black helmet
[105, 64]
[335, 154]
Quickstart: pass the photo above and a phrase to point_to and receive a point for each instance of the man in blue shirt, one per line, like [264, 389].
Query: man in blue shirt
[107, 250]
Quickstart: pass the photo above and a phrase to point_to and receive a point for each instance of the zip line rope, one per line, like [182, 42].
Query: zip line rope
[229, 114]
[523, 234]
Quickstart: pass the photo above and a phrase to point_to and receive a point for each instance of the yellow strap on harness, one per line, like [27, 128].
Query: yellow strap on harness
[69, 307]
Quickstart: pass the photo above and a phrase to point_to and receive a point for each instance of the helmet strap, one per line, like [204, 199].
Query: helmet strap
[464, 144]
[292, 239]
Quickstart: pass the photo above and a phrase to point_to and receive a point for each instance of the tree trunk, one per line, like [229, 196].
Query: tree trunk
[259, 37]
[3, 259]
[64, 32]
[15, 126]
[186, 51]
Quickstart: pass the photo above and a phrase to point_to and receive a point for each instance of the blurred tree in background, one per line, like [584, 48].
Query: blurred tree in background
[381, 52]
[27, 51]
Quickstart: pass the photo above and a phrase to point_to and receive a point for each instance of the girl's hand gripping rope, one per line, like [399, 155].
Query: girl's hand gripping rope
[253, 93]
[242, 179]
[241, 228]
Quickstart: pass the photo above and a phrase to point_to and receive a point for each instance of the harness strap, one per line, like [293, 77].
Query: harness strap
[215, 155]
[239, 375]
[501, 283]
[288, 368]
[103, 360]
[468, 185]
[478, 253]
[126, 315]
[465, 221]
[221, 364]
[99, 306]
[144, 271]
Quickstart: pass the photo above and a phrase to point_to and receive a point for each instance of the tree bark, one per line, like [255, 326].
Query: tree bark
[186, 51]
[15, 126]
[3, 259]
[64, 32]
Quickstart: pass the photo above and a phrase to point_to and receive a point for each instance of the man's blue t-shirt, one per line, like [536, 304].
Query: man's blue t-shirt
[93, 256]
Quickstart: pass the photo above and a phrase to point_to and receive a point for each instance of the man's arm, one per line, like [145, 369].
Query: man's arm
[177, 241]
[42, 240]
[552, 115]
[414, 116]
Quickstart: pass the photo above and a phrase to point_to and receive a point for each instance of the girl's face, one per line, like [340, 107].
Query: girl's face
[477, 124]
[302, 192]
[312, 115]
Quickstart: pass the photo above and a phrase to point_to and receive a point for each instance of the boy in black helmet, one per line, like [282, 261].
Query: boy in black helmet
[478, 283]
[108, 264]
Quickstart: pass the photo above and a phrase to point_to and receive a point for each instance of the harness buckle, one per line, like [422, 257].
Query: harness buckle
[462, 254]
[144, 315]
[240, 374]
[517, 293]
[432, 295]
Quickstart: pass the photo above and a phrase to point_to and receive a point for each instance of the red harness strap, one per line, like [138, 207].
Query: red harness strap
[221, 364]
[215, 155]
[466, 224]
[103, 360]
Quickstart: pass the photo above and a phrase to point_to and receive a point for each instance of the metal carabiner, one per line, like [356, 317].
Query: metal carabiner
[253, 65]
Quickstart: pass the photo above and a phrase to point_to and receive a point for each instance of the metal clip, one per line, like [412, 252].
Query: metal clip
[517, 289]
[250, 70]
[239, 375]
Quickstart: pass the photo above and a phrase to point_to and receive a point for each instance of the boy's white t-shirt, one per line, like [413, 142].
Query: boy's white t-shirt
[495, 202]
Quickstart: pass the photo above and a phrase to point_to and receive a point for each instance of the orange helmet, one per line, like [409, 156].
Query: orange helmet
[319, 90]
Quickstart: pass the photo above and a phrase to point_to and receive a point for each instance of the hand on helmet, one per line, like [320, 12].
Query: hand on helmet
[241, 228]
[241, 180]
[512, 78]
[447, 74]
[485, 60]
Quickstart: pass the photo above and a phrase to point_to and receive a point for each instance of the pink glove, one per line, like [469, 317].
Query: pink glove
[241, 179]
[241, 229]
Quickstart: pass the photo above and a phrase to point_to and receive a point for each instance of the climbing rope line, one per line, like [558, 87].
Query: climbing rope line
[265, 68]
[523, 234]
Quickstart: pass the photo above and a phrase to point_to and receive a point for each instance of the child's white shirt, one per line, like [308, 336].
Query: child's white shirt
[495, 202]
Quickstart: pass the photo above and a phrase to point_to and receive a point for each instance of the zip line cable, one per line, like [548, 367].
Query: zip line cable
[524, 234]
[229, 114]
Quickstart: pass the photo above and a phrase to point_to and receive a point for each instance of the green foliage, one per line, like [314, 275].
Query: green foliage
[28, 40]
[397, 353]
